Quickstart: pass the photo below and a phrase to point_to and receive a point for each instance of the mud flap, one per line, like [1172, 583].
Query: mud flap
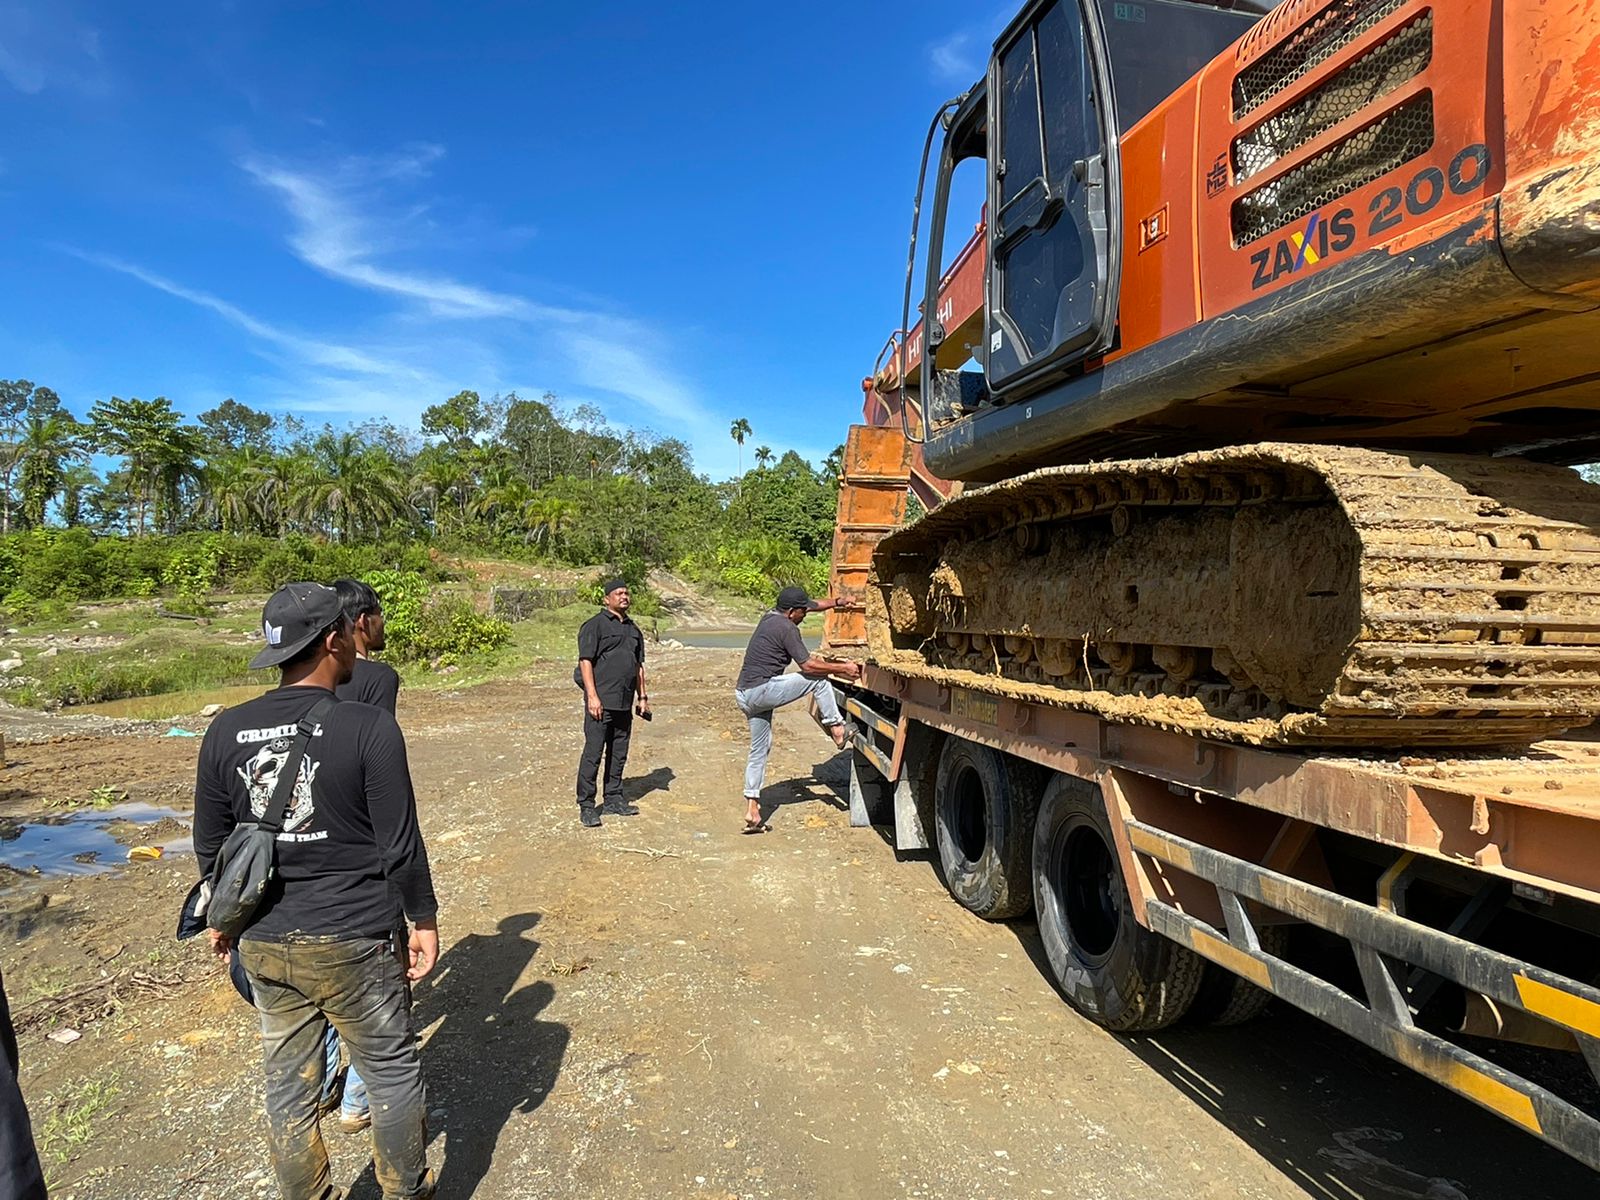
[909, 831]
[867, 791]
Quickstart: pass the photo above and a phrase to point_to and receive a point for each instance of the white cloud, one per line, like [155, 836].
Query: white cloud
[327, 355]
[957, 59]
[42, 46]
[346, 224]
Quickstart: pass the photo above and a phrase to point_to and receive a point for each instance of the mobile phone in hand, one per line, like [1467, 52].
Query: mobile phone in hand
[644, 713]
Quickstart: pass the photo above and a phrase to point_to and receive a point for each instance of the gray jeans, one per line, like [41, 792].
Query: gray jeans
[359, 985]
[757, 704]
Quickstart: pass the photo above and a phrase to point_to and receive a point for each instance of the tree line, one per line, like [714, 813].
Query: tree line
[527, 477]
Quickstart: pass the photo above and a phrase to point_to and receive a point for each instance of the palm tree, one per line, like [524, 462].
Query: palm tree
[283, 480]
[78, 479]
[549, 517]
[439, 480]
[48, 443]
[763, 456]
[235, 495]
[175, 465]
[738, 432]
[357, 486]
[509, 498]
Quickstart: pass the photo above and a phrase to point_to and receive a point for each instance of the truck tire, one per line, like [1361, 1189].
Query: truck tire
[1109, 967]
[984, 806]
[1227, 999]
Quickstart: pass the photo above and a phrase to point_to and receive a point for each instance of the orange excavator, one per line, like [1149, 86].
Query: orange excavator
[1280, 325]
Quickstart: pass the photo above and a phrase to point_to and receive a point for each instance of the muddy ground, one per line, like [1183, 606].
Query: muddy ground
[664, 1007]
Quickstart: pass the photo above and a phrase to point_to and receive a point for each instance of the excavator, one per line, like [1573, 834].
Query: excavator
[1256, 392]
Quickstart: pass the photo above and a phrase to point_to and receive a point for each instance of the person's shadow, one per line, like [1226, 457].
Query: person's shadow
[490, 1058]
[640, 786]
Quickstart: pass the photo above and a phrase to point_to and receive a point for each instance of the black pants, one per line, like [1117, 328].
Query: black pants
[20, 1176]
[609, 736]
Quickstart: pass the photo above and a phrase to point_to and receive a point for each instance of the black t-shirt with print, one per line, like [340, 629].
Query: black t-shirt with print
[350, 858]
[373, 683]
[616, 647]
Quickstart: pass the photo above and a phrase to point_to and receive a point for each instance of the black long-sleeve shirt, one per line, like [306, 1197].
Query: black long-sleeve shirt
[350, 859]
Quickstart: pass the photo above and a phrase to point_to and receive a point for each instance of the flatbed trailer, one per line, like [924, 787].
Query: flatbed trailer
[1435, 906]
[1457, 899]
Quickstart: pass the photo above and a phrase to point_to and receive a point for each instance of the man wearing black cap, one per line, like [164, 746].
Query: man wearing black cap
[611, 673]
[327, 942]
[762, 686]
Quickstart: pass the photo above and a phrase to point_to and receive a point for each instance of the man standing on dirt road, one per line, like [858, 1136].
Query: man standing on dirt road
[20, 1175]
[370, 682]
[327, 942]
[762, 686]
[611, 673]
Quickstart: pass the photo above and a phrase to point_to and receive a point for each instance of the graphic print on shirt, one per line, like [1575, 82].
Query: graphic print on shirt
[260, 775]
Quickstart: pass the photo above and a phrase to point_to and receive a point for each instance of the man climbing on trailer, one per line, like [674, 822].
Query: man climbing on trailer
[763, 686]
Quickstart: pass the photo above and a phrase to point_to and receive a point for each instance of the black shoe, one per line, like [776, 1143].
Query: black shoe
[589, 815]
[620, 808]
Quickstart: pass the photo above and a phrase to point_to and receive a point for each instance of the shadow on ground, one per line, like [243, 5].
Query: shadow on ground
[659, 780]
[1340, 1120]
[489, 1058]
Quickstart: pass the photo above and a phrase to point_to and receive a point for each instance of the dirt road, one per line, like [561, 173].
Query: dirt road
[664, 1007]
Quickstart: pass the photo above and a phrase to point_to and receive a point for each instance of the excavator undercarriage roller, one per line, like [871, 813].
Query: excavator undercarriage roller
[1275, 593]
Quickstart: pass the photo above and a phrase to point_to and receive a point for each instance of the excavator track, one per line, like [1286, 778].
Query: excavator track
[1276, 594]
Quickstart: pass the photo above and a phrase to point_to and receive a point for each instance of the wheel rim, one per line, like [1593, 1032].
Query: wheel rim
[969, 812]
[1083, 881]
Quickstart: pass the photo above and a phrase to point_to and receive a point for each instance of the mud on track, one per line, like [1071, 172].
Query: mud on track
[664, 1007]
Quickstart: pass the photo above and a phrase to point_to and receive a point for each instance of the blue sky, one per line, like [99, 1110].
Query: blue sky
[682, 213]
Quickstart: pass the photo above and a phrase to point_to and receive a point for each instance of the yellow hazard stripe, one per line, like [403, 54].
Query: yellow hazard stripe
[1472, 1083]
[1556, 1005]
[1230, 956]
[1157, 847]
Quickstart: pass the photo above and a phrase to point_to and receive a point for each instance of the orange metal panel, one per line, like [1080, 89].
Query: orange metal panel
[1160, 290]
[1465, 165]
[872, 504]
[870, 451]
[1552, 147]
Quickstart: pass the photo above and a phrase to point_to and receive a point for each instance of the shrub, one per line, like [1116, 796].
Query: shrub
[448, 629]
[21, 605]
[423, 627]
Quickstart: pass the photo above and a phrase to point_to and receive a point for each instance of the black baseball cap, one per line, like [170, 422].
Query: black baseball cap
[293, 617]
[793, 597]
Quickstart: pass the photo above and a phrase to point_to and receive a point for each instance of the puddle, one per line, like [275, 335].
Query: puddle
[714, 639]
[171, 704]
[79, 843]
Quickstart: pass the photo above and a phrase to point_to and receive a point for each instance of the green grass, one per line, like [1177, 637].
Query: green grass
[549, 635]
[152, 664]
[71, 1124]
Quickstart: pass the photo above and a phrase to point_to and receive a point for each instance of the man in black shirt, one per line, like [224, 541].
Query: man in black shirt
[370, 682]
[762, 686]
[610, 672]
[327, 942]
[20, 1175]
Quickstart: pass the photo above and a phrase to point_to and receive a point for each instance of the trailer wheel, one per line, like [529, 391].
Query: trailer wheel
[1227, 999]
[984, 807]
[1108, 966]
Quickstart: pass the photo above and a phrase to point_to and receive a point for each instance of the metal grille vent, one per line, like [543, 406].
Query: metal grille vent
[1397, 137]
[1398, 58]
[1318, 40]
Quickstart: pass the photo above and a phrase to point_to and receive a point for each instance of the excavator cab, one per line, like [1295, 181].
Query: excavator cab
[1066, 79]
